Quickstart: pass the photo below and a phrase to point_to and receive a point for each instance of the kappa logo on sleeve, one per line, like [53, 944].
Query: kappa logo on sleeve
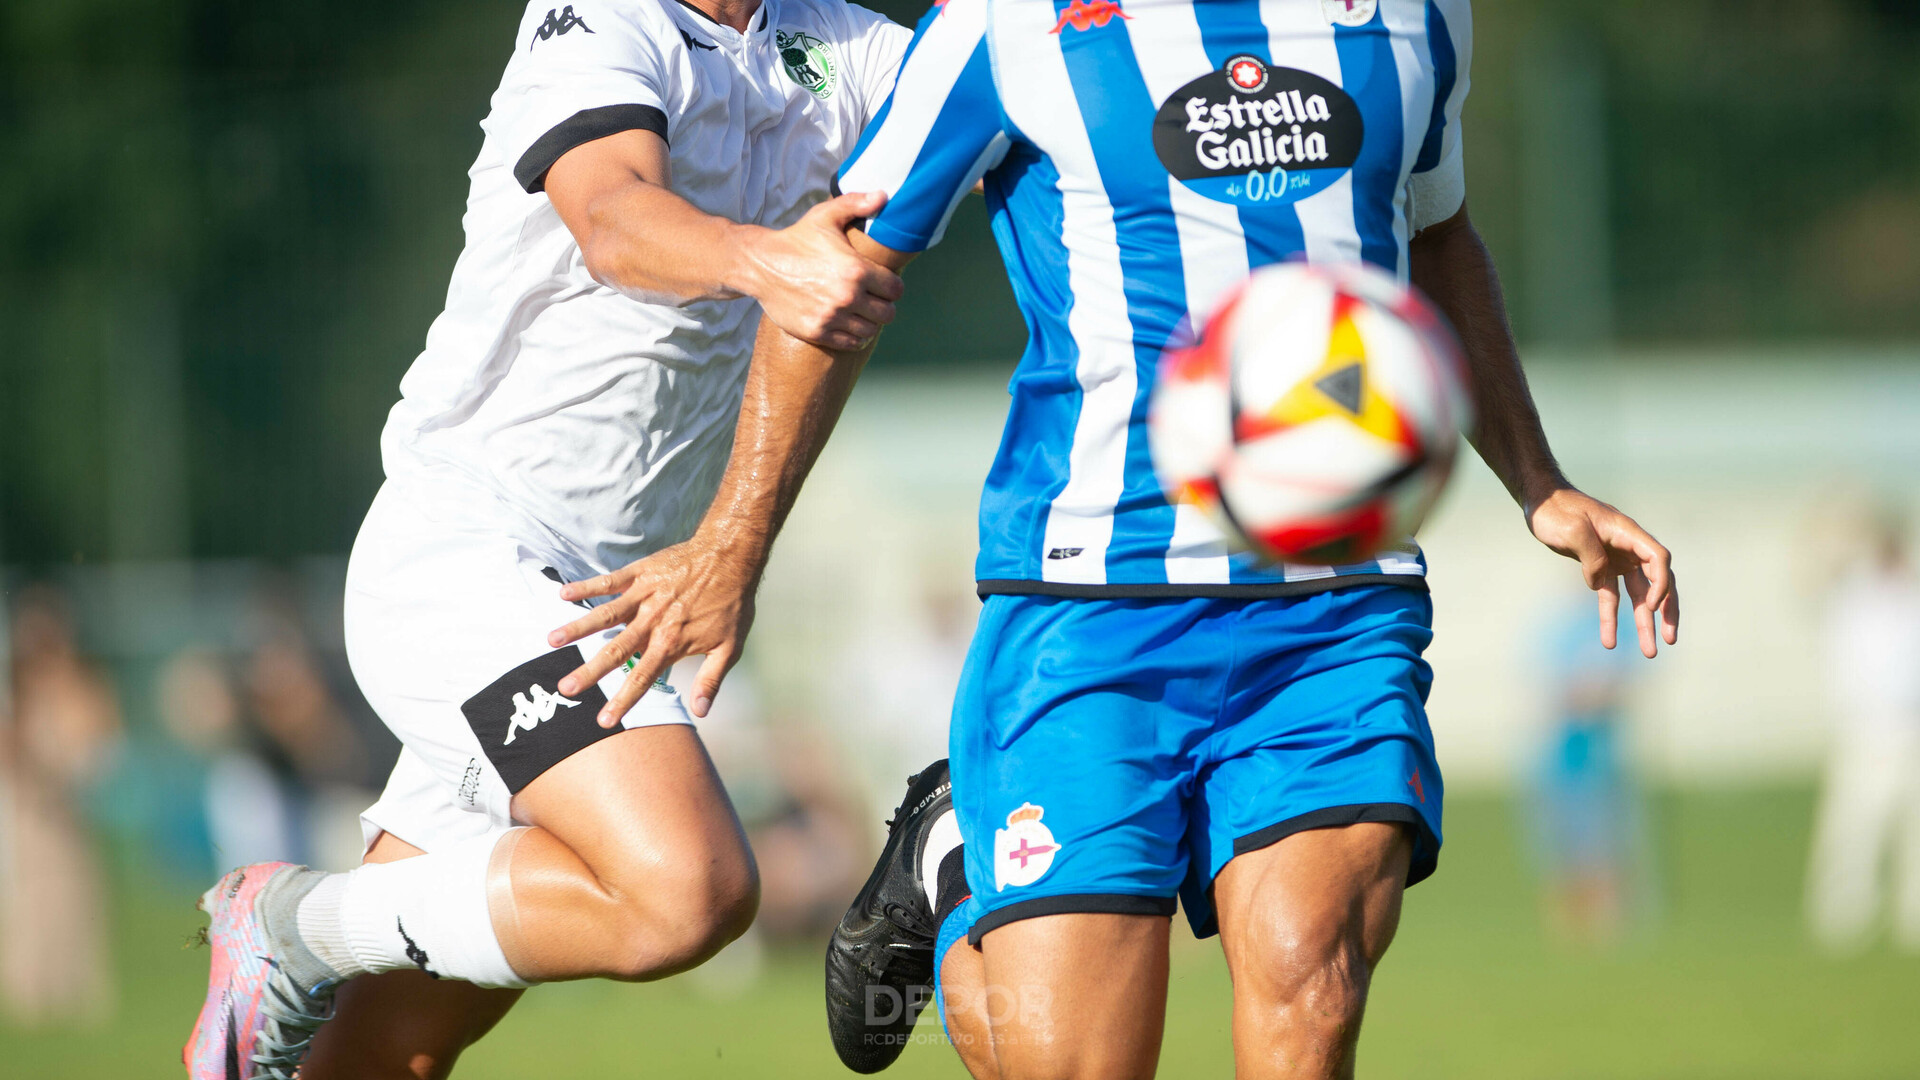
[557, 24]
[526, 726]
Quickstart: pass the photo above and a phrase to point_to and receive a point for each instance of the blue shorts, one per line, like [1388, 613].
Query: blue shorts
[1110, 755]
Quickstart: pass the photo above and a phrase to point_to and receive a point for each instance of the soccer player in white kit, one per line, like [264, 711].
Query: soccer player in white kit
[584, 412]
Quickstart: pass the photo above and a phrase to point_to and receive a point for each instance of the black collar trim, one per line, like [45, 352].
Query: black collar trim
[697, 11]
[717, 22]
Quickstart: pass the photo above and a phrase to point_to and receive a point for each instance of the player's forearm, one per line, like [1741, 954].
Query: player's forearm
[793, 398]
[657, 247]
[1452, 266]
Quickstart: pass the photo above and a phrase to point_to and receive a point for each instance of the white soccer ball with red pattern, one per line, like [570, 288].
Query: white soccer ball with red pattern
[1317, 418]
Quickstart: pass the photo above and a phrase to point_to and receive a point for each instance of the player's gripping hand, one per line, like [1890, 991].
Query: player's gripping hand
[1610, 548]
[811, 282]
[691, 599]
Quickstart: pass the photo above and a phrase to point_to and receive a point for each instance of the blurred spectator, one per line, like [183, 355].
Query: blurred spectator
[898, 682]
[305, 735]
[1586, 815]
[791, 793]
[1869, 814]
[249, 816]
[287, 772]
[811, 852]
[793, 798]
[61, 729]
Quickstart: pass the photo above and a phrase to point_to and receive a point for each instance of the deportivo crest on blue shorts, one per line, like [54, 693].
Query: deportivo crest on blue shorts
[1108, 755]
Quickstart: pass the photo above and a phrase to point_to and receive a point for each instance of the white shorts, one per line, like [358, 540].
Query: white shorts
[447, 615]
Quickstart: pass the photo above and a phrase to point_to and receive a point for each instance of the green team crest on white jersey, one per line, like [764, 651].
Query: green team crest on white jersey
[808, 61]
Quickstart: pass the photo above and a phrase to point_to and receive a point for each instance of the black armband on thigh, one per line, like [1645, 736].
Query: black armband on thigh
[526, 727]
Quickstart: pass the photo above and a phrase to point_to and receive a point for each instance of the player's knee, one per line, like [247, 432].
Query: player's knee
[1314, 985]
[677, 917]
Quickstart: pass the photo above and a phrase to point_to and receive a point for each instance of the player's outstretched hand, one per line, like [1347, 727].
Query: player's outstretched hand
[1611, 547]
[813, 285]
[691, 599]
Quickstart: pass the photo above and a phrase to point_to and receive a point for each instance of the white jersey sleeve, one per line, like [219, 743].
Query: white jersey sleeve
[941, 130]
[1438, 186]
[581, 72]
[877, 44]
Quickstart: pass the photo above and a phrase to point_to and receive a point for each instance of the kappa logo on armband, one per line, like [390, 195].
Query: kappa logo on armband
[526, 726]
[557, 25]
[532, 709]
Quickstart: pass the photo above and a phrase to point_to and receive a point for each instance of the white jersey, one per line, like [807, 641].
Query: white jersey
[598, 423]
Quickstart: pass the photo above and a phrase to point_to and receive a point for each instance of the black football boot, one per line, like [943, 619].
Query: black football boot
[880, 958]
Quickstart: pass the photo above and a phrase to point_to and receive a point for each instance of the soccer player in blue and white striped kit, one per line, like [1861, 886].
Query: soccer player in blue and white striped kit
[1143, 715]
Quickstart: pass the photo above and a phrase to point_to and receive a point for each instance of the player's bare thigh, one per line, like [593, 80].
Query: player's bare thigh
[1061, 997]
[403, 1025]
[1303, 923]
[637, 832]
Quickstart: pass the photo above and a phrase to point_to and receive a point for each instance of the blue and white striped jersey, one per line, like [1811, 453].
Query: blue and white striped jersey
[1141, 157]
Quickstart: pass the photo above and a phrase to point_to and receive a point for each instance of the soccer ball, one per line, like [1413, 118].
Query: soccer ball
[1317, 417]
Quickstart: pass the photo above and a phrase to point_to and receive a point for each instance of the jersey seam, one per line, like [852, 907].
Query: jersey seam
[1146, 590]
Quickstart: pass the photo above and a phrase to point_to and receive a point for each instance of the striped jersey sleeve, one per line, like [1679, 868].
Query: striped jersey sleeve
[1438, 185]
[939, 132]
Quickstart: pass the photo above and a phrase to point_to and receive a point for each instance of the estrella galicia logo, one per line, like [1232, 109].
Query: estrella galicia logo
[808, 60]
[558, 24]
[1258, 135]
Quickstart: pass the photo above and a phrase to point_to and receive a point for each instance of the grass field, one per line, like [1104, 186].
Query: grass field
[1725, 987]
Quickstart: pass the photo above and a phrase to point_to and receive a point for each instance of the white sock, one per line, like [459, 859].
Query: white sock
[428, 912]
[322, 930]
[942, 838]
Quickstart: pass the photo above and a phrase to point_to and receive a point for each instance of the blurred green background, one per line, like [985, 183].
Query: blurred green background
[225, 227]
[1471, 989]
